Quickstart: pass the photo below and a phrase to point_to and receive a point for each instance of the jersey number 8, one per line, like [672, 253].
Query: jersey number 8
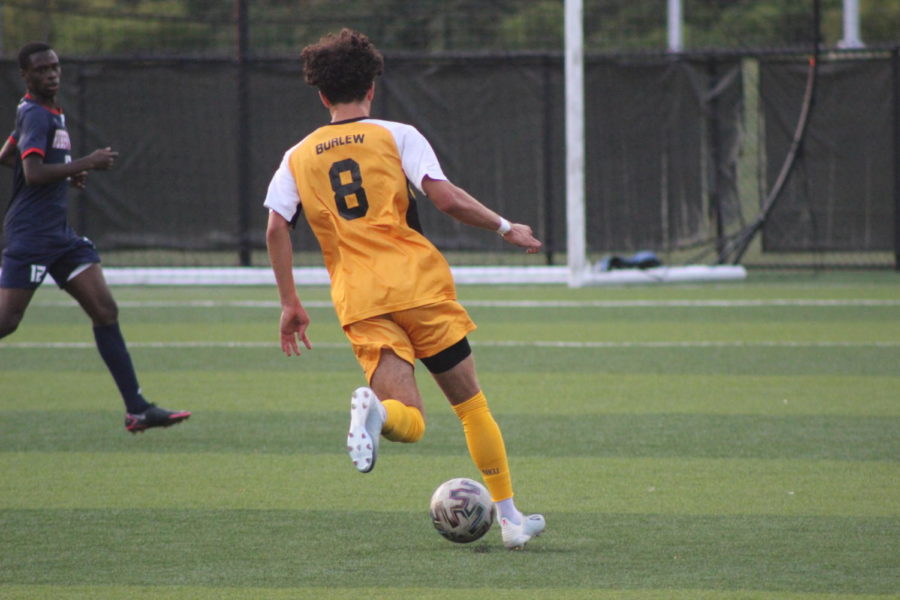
[353, 188]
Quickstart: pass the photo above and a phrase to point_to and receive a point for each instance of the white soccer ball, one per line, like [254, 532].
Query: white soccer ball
[461, 510]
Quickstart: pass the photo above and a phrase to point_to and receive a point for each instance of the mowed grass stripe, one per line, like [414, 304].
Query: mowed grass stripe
[660, 470]
[302, 389]
[703, 360]
[149, 592]
[404, 480]
[376, 550]
[537, 324]
[729, 317]
[840, 284]
[836, 437]
[504, 304]
[747, 321]
[534, 344]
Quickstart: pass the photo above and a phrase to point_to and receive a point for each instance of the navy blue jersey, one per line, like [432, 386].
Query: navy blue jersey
[37, 213]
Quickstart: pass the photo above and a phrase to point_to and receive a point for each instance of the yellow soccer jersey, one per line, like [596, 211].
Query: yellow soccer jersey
[351, 179]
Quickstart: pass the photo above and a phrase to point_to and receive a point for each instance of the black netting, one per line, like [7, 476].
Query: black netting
[488, 123]
[672, 154]
[174, 124]
[682, 149]
[660, 135]
[840, 196]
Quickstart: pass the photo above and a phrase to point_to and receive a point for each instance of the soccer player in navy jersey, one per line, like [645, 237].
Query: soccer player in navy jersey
[39, 239]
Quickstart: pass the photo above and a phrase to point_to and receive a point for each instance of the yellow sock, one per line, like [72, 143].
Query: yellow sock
[403, 423]
[486, 445]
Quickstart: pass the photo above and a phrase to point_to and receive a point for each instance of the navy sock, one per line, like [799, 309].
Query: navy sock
[112, 349]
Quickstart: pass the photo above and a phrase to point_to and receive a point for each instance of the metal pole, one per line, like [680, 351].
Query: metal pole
[675, 26]
[851, 25]
[547, 68]
[242, 152]
[81, 103]
[575, 197]
[714, 118]
[895, 61]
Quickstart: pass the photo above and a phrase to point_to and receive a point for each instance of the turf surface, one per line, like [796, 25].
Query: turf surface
[728, 441]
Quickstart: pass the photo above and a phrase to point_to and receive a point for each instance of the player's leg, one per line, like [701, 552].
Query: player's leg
[87, 285]
[483, 436]
[487, 449]
[392, 405]
[438, 333]
[13, 302]
[20, 276]
[394, 382]
[445, 351]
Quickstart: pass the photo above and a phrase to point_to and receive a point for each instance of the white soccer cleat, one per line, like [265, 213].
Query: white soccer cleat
[516, 536]
[366, 420]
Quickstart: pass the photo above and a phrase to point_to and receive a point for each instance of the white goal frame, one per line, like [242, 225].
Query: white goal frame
[579, 271]
[576, 273]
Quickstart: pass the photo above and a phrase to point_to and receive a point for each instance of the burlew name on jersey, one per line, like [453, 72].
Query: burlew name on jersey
[356, 138]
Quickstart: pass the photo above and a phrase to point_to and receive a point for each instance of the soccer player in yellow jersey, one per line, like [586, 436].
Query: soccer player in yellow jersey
[391, 288]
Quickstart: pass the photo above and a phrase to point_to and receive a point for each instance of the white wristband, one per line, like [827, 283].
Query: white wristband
[505, 227]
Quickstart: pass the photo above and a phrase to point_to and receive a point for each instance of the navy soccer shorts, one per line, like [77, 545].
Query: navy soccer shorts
[26, 269]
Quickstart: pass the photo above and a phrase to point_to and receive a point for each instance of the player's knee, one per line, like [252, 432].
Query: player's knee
[107, 314]
[9, 323]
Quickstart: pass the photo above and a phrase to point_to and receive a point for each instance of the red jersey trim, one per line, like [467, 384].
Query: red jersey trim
[55, 111]
[33, 151]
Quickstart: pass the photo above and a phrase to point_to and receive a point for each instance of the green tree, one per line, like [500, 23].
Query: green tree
[96, 27]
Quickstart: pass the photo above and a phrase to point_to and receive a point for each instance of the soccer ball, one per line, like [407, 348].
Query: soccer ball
[461, 510]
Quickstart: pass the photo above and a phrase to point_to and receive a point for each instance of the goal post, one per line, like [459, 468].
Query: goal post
[579, 271]
[576, 239]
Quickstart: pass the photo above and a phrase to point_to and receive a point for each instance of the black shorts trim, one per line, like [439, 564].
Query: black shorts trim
[448, 358]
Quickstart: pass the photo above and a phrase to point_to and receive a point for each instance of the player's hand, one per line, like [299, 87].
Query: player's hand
[522, 236]
[294, 322]
[79, 180]
[102, 158]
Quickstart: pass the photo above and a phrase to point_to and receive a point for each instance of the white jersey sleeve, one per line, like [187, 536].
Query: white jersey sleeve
[282, 196]
[416, 154]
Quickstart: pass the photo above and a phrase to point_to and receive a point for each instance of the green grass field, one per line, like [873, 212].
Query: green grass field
[729, 441]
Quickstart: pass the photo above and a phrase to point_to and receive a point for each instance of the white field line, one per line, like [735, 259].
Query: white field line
[506, 304]
[495, 344]
[791, 302]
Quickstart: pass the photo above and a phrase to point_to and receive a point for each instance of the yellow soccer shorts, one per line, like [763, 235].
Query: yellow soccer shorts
[411, 334]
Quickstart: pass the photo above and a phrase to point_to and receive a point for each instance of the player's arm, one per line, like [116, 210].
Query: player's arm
[294, 319]
[8, 153]
[459, 204]
[37, 172]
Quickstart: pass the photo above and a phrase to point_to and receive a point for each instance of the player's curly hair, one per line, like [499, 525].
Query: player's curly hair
[343, 65]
